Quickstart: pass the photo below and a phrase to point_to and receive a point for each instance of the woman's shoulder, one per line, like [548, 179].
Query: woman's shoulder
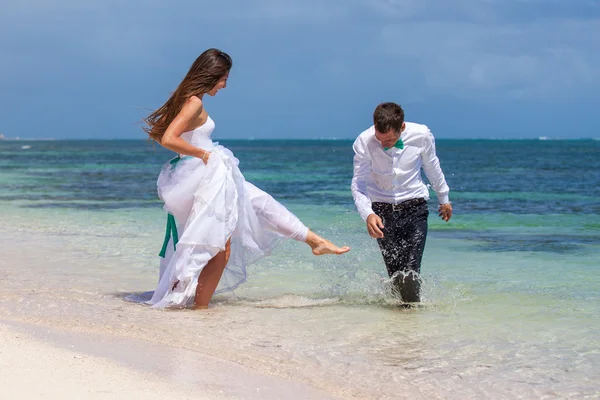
[192, 108]
[194, 101]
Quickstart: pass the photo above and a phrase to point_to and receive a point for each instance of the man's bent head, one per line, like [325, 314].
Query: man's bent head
[388, 119]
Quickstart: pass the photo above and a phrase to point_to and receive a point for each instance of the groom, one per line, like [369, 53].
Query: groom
[391, 197]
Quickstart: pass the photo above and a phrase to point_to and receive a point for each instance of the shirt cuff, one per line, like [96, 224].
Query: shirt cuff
[444, 199]
[365, 214]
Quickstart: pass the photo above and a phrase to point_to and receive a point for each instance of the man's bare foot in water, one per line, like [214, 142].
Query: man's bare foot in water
[322, 246]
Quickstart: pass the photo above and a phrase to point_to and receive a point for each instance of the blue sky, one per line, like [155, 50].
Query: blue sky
[304, 68]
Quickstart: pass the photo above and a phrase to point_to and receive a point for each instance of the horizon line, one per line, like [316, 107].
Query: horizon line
[540, 138]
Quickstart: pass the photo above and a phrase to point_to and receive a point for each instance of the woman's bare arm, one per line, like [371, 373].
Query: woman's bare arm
[172, 140]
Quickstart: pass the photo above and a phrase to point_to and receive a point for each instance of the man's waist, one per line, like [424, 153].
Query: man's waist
[396, 193]
[404, 205]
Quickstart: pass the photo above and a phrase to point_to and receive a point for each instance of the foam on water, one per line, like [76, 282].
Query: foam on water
[289, 301]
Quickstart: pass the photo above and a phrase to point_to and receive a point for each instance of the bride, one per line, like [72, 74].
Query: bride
[217, 222]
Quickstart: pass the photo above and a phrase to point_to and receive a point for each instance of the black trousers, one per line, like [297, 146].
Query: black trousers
[402, 245]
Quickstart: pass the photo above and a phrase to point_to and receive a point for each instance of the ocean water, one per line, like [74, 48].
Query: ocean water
[511, 284]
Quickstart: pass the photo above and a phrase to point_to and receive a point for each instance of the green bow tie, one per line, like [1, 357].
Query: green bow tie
[399, 144]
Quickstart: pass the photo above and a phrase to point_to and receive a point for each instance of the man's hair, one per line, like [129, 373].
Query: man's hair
[388, 116]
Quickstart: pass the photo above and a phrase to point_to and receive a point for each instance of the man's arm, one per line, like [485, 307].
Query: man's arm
[362, 166]
[431, 166]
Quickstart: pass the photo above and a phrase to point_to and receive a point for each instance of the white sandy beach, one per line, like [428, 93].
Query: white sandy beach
[42, 363]
[32, 369]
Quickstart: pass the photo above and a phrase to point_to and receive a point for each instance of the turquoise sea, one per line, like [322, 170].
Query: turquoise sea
[511, 284]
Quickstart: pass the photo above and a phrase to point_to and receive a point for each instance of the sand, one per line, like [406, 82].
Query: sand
[40, 363]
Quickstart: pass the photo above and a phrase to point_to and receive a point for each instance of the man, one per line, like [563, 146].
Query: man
[391, 197]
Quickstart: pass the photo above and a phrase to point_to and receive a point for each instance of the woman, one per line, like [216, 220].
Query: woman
[216, 219]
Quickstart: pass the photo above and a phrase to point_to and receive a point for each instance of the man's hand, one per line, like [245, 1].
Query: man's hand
[445, 211]
[374, 226]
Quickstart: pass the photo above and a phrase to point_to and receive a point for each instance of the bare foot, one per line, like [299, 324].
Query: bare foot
[322, 246]
[195, 307]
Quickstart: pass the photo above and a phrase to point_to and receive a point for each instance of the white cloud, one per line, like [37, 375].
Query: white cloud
[276, 10]
[463, 47]
[545, 58]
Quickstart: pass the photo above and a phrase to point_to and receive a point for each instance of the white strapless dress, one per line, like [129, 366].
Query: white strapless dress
[210, 204]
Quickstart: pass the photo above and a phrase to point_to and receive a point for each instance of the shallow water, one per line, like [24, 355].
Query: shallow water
[511, 292]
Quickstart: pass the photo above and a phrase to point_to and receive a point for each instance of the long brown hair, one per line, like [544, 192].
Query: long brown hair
[204, 74]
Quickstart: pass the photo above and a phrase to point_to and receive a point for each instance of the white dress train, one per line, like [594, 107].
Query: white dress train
[210, 203]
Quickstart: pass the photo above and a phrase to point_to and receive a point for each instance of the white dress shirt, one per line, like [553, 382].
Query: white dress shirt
[394, 175]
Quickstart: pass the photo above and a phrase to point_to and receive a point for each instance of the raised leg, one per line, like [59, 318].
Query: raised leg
[283, 221]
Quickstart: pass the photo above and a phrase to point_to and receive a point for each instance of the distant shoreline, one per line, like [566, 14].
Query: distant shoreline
[540, 139]
[20, 139]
